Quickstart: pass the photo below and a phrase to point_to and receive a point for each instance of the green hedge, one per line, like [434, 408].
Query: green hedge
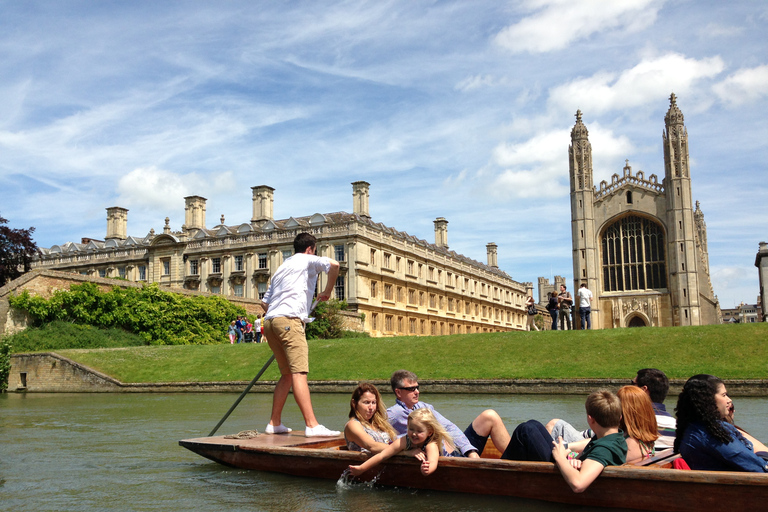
[159, 317]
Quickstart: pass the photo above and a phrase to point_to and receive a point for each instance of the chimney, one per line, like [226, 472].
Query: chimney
[194, 212]
[360, 198]
[263, 201]
[493, 260]
[441, 232]
[117, 223]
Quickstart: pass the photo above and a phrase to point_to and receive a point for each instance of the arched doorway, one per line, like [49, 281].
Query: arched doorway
[637, 321]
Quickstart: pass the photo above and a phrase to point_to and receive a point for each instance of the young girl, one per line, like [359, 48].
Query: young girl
[232, 332]
[424, 440]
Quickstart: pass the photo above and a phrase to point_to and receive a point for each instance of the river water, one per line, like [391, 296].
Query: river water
[118, 452]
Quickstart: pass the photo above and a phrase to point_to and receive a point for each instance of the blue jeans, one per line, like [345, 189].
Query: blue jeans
[553, 314]
[586, 320]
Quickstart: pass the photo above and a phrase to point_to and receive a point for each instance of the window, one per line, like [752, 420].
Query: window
[121, 272]
[412, 325]
[375, 321]
[423, 325]
[142, 273]
[433, 328]
[399, 324]
[397, 263]
[338, 251]
[400, 297]
[450, 304]
[633, 255]
[431, 273]
[466, 308]
[373, 289]
[238, 290]
[262, 288]
[216, 289]
[193, 270]
[432, 300]
[339, 288]
[410, 267]
[387, 258]
[388, 323]
[262, 260]
[388, 292]
[421, 298]
[287, 254]
[411, 297]
[373, 256]
[216, 265]
[102, 272]
[238, 263]
[166, 267]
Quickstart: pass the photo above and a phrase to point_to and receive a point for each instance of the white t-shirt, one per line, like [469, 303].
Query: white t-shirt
[293, 286]
[585, 297]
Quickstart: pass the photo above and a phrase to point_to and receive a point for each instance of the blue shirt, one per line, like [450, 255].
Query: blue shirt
[703, 451]
[398, 418]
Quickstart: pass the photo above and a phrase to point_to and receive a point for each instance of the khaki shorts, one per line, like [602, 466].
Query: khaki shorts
[288, 342]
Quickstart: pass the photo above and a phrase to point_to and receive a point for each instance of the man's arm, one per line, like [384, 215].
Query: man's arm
[333, 273]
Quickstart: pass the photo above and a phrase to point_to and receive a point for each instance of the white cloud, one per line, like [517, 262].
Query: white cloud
[558, 23]
[744, 86]
[150, 187]
[642, 84]
[477, 81]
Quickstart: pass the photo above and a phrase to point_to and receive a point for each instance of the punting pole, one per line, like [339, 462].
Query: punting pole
[242, 395]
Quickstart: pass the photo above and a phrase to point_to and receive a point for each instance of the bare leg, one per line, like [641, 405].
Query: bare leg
[282, 389]
[303, 400]
[551, 424]
[489, 423]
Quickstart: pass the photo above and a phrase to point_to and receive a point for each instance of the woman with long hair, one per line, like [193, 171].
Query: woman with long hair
[704, 438]
[368, 429]
[638, 422]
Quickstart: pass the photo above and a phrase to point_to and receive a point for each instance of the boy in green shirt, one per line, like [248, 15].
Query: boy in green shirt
[607, 448]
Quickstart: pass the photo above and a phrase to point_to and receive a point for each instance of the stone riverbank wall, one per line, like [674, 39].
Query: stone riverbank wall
[52, 373]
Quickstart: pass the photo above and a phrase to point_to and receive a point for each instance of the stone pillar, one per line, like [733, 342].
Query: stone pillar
[441, 232]
[263, 204]
[360, 197]
[117, 223]
[492, 250]
[194, 212]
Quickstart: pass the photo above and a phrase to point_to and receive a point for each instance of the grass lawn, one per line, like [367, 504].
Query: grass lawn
[728, 351]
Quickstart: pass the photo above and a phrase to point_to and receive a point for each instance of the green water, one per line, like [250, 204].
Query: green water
[62, 452]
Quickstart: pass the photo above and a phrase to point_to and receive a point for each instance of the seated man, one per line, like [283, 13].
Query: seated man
[531, 441]
[469, 443]
[656, 385]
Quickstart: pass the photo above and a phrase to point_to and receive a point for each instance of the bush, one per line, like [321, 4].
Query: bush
[159, 317]
[328, 323]
[5, 362]
[354, 334]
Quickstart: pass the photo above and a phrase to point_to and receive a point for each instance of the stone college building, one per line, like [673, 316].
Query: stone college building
[401, 285]
[638, 244]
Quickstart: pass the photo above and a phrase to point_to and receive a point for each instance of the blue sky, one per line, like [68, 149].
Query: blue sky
[460, 110]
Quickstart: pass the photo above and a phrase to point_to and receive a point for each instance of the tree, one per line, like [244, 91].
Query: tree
[16, 251]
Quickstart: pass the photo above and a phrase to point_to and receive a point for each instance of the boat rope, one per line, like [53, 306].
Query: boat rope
[243, 434]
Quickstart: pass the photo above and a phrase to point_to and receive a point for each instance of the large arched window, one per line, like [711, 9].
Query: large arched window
[633, 255]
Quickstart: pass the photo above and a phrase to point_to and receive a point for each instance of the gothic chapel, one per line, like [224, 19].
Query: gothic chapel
[639, 245]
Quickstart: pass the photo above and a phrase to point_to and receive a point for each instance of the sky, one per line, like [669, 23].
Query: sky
[455, 109]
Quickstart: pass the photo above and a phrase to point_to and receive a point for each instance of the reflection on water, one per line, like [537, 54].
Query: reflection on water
[120, 452]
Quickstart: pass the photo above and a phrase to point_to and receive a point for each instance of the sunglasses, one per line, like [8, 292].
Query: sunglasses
[410, 388]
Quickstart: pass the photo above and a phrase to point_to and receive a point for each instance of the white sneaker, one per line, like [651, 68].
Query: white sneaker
[280, 429]
[319, 431]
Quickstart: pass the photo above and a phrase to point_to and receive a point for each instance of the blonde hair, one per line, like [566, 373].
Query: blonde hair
[605, 408]
[379, 420]
[638, 420]
[425, 418]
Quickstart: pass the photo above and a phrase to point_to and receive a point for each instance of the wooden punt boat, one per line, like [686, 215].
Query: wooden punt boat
[653, 486]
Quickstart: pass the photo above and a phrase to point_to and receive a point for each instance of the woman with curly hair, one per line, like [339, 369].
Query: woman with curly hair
[704, 438]
[638, 422]
[368, 429]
